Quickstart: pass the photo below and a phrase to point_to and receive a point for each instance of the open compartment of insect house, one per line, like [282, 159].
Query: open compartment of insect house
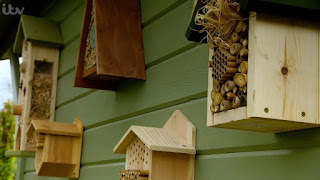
[58, 147]
[159, 153]
[38, 75]
[111, 46]
[263, 69]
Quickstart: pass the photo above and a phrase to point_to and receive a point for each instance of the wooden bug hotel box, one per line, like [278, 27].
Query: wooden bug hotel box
[283, 82]
[159, 153]
[58, 147]
[38, 41]
[111, 46]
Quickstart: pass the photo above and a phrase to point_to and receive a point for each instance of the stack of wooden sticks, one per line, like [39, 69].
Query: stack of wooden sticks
[134, 175]
[38, 140]
[229, 71]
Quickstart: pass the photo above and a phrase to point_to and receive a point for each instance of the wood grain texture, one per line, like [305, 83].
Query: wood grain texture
[160, 90]
[295, 45]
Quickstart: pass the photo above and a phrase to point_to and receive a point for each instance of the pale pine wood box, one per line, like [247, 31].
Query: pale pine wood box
[277, 102]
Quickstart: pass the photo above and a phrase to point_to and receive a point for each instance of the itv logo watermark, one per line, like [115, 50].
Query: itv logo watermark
[10, 10]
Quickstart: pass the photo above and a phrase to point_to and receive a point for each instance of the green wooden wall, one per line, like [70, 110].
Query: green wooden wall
[176, 79]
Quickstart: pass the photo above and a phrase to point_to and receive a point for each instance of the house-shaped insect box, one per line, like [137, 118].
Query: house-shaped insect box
[58, 147]
[159, 153]
[38, 41]
[276, 87]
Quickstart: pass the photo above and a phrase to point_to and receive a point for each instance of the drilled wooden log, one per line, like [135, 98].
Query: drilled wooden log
[243, 68]
[235, 48]
[241, 79]
[17, 110]
[225, 105]
[229, 86]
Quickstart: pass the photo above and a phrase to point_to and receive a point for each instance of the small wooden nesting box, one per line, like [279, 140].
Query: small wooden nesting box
[111, 46]
[283, 77]
[159, 153]
[38, 41]
[58, 147]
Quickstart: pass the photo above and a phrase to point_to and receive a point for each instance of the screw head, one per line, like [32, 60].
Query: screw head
[266, 110]
[303, 114]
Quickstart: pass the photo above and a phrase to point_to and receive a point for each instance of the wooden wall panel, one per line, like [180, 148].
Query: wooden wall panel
[176, 79]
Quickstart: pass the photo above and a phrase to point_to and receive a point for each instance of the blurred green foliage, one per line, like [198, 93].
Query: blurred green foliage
[7, 129]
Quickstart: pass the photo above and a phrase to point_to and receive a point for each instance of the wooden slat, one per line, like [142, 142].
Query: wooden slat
[69, 57]
[61, 9]
[71, 26]
[166, 35]
[150, 10]
[180, 81]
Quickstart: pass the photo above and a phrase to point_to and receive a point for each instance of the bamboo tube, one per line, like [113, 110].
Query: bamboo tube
[217, 88]
[216, 109]
[230, 96]
[212, 108]
[235, 89]
[236, 102]
[241, 79]
[227, 56]
[244, 52]
[231, 70]
[143, 173]
[244, 67]
[17, 110]
[245, 43]
[245, 89]
[231, 64]
[244, 27]
[239, 93]
[223, 90]
[229, 86]
[239, 27]
[38, 145]
[240, 59]
[225, 105]
[235, 48]
[235, 37]
[218, 98]
[243, 100]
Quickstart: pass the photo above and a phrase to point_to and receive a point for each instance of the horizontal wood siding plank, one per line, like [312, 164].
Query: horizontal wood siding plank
[101, 172]
[150, 10]
[166, 36]
[68, 57]
[178, 79]
[275, 165]
[72, 26]
[61, 9]
[33, 176]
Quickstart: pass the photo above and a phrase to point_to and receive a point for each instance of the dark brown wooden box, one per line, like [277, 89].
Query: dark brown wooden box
[119, 44]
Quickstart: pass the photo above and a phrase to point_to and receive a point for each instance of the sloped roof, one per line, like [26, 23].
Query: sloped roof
[156, 139]
[57, 128]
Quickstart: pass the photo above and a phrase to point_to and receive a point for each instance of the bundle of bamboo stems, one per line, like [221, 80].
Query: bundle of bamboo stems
[229, 71]
[134, 175]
